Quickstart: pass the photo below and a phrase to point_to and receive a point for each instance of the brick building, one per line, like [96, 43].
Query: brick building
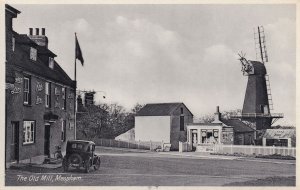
[163, 122]
[39, 95]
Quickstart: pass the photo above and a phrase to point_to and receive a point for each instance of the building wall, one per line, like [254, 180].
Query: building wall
[243, 138]
[18, 112]
[8, 30]
[154, 128]
[227, 135]
[127, 136]
[175, 134]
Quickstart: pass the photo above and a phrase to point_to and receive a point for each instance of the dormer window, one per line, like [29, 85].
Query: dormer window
[51, 62]
[33, 54]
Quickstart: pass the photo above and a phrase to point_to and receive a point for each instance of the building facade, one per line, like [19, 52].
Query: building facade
[200, 136]
[279, 137]
[163, 122]
[39, 97]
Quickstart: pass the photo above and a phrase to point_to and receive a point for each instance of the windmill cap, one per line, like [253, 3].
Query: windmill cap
[259, 68]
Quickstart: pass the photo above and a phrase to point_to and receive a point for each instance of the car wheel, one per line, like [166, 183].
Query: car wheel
[97, 164]
[87, 166]
[75, 159]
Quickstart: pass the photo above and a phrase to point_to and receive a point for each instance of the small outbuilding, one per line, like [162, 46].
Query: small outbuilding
[279, 137]
[163, 122]
[220, 131]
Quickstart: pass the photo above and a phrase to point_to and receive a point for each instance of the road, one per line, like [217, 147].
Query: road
[159, 169]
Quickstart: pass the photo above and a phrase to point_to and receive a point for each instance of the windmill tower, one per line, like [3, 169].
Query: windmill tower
[258, 98]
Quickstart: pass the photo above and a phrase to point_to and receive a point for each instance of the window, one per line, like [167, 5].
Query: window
[181, 123]
[28, 132]
[27, 90]
[33, 53]
[51, 62]
[63, 131]
[181, 110]
[47, 95]
[13, 44]
[64, 97]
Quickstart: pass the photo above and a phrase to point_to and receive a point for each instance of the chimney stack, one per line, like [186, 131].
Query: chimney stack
[42, 39]
[217, 116]
[37, 31]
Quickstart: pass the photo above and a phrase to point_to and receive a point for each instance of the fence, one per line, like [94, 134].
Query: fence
[145, 145]
[251, 150]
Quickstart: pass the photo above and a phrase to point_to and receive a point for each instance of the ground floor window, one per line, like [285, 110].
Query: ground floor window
[277, 142]
[28, 132]
[210, 136]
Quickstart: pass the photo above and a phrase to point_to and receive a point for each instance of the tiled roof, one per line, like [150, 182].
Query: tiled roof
[22, 60]
[160, 109]
[238, 125]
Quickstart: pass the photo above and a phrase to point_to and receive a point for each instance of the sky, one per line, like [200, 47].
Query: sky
[171, 53]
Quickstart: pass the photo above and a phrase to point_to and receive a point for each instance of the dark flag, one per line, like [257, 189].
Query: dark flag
[78, 51]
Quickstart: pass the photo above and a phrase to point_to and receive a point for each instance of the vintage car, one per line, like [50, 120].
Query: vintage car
[80, 153]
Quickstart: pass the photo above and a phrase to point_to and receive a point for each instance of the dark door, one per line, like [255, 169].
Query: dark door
[14, 141]
[47, 140]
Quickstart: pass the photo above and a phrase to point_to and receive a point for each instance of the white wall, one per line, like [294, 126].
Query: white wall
[154, 128]
[127, 136]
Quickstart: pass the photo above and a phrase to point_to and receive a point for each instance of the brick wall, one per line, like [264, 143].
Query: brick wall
[176, 135]
[18, 112]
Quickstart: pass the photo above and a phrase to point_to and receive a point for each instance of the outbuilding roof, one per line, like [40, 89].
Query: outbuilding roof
[238, 125]
[160, 109]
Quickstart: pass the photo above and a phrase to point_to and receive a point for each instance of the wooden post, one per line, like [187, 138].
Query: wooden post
[128, 144]
[110, 142]
[139, 144]
[150, 145]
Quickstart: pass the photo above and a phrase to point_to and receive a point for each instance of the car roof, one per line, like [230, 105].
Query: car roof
[80, 141]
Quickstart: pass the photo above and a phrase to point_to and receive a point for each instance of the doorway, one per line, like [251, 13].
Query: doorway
[14, 154]
[194, 140]
[47, 140]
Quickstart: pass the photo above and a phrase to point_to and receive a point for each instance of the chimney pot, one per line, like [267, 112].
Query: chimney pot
[217, 110]
[31, 31]
[37, 31]
[43, 31]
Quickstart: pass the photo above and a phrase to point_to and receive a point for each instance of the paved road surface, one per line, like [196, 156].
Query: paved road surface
[160, 169]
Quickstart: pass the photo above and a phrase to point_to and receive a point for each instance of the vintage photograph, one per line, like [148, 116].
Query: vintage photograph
[150, 94]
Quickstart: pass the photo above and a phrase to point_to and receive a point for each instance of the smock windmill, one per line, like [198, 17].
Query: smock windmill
[258, 98]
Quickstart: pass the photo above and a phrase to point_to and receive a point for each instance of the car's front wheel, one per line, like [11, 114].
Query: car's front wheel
[87, 166]
[97, 164]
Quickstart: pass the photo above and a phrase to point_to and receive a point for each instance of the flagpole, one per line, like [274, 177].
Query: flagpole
[75, 98]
